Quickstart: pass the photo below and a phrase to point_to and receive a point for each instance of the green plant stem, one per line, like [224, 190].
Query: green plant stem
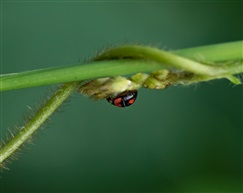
[216, 52]
[122, 60]
[40, 117]
[169, 60]
[139, 56]
[74, 73]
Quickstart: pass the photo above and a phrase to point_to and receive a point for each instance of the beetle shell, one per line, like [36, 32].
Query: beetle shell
[123, 99]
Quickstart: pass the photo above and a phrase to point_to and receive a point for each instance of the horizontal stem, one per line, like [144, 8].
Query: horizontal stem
[215, 53]
[74, 73]
[169, 60]
[158, 60]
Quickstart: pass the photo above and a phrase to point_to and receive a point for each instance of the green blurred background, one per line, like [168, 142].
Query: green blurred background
[182, 139]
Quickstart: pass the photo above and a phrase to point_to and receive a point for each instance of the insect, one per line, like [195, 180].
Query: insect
[123, 99]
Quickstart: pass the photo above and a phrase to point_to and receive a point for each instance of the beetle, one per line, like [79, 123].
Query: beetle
[123, 99]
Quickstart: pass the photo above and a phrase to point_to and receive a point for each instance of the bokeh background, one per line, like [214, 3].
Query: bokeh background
[182, 139]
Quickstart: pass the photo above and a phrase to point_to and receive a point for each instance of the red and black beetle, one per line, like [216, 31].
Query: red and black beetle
[123, 99]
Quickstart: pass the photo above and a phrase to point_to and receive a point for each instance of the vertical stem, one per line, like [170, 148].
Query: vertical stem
[40, 117]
